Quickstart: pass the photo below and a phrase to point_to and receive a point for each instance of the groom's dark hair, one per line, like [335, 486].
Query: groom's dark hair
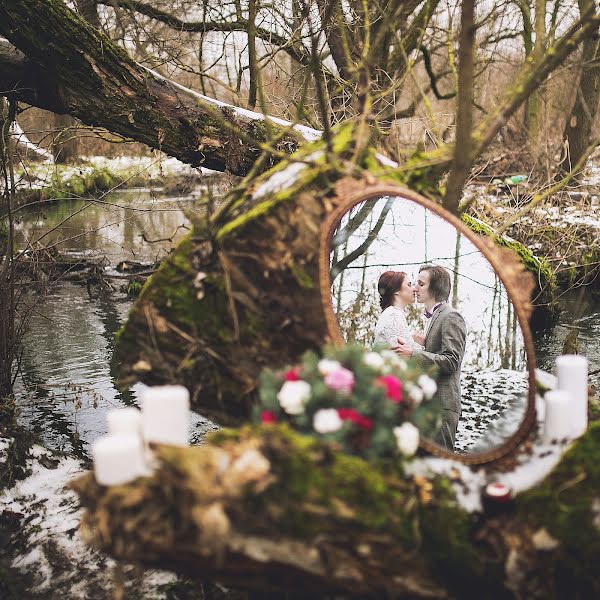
[439, 282]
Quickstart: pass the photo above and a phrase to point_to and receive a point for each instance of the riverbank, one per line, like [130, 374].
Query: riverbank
[47, 182]
[563, 230]
[42, 554]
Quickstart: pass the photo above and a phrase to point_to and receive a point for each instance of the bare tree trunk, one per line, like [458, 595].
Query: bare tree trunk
[8, 342]
[463, 145]
[65, 145]
[578, 127]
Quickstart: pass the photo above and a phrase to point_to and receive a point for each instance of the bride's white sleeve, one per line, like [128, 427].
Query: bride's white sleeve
[404, 331]
[393, 325]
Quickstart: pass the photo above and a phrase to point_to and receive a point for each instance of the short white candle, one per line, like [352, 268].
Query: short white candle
[124, 420]
[166, 414]
[572, 374]
[557, 422]
[118, 458]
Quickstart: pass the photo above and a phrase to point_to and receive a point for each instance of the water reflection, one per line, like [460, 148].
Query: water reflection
[65, 387]
[579, 314]
[115, 227]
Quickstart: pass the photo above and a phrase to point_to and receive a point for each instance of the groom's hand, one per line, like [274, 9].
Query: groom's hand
[403, 349]
[419, 338]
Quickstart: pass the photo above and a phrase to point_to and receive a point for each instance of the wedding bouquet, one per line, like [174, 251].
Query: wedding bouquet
[368, 403]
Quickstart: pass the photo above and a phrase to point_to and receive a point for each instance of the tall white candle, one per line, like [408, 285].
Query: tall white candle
[572, 374]
[124, 420]
[118, 458]
[557, 421]
[166, 414]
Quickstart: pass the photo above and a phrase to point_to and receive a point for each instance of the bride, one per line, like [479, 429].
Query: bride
[396, 293]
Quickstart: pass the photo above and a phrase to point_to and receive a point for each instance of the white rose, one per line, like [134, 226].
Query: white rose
[393, 360]
[293, 395]
[415, 393]
[407, 438]
[428, 385]
[326, 366]
[374, 360]
[327, 420]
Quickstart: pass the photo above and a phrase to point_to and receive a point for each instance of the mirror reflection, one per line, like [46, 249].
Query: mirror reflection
[404, 278]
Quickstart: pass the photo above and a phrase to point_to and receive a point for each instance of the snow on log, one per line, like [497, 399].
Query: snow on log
[27, 150]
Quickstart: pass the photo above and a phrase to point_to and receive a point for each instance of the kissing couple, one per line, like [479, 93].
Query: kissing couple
[442, 344]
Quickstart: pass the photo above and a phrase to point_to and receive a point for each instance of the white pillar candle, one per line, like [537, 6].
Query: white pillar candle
[558, 419]
[572, 374]
[124, 420]
[166, 414]
[118, 458]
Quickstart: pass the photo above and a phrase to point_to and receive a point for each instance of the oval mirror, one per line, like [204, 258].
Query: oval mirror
[394, 264]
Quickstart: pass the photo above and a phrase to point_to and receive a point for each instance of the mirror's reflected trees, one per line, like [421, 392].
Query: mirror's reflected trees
[397, 234]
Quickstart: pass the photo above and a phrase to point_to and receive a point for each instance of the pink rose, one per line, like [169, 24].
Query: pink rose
[393, 387]
[340, 380]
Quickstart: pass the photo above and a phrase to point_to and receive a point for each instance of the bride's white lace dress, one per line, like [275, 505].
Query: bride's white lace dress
[391, 325]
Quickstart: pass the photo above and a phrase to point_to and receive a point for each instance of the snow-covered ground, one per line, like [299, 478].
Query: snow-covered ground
[44, 550]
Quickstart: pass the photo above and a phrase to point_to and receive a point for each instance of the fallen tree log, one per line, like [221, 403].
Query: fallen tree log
[70, 67]
[264, 508]
[241, 292]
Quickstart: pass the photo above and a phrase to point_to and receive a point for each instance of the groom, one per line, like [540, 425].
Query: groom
[444, 342]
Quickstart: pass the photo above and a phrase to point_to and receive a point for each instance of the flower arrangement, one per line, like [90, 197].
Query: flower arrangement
[369, 403]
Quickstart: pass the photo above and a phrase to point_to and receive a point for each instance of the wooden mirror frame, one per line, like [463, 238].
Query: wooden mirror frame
[506, 264]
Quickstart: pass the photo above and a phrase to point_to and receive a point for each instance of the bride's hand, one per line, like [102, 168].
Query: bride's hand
[419, 338]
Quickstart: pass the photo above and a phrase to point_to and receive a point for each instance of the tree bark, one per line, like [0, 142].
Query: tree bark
[241, 292]
[89, 77]
[578, 127]
[263, 508]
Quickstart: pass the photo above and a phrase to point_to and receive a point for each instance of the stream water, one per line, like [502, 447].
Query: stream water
[66, 387]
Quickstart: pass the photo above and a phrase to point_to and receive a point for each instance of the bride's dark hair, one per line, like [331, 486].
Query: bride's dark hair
[389, 283]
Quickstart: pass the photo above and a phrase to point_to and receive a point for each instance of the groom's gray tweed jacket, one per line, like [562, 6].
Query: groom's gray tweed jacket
[445, 348]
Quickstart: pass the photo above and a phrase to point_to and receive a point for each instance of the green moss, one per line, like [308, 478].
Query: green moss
[567, 505]
[563, 502]
[538, 266]
[343, 136]
[134, 288]
[302, 277]
[309, 175]
[446, 536]
[420, 173]
[345, 488]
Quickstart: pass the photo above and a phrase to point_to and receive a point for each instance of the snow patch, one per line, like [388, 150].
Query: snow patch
[4, 446]
[48, 548]
[467, 482]
[284, 178]
[307, 133]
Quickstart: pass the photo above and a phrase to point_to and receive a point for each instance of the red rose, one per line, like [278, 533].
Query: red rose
[393, 387]
[268, 416]
[292, 374]
[349, 414]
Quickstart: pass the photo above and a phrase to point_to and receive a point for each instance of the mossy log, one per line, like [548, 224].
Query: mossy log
[264, 508]
[242, 291]
[69, 67]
